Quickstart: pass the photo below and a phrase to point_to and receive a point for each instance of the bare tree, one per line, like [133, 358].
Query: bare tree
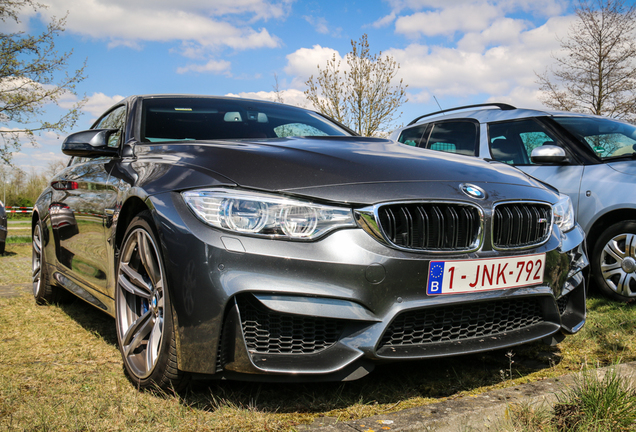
[597, 74]
[278, 94]
[33, 75]
[55, 166]
[362, 95]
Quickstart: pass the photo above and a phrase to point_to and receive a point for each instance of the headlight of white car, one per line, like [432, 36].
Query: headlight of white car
[266, 215]
[564, 213]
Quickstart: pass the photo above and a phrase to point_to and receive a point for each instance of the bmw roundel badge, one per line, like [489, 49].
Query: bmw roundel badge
[473, 191]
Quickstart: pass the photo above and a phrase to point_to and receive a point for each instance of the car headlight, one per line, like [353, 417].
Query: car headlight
[266, 215]
[564, 213]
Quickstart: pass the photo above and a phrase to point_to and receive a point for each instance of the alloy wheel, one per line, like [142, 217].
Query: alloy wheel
[36, 262]
[140, 309]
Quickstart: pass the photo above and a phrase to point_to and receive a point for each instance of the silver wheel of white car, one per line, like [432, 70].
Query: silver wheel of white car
[614, 261]
[144, 314]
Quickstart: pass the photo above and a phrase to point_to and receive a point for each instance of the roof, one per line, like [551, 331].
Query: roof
[492, 114]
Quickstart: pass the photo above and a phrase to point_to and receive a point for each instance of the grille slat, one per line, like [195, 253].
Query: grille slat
[269, 332]
[462, 321]
[517, 225]
[431, 226]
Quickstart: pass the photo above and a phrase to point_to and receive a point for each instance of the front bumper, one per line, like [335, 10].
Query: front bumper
[331, 309]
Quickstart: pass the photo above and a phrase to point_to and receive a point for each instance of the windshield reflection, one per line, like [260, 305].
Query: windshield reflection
[607, 138]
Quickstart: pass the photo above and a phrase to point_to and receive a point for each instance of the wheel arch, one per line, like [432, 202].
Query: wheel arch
[131, 208]
[35, 216]
[605, 221]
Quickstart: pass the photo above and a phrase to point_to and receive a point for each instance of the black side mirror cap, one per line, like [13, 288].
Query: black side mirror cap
[549, 154]
[91, 143]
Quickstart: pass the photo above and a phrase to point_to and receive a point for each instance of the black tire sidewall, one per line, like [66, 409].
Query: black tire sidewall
[623, 227]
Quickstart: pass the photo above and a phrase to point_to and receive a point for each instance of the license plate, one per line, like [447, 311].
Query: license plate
[463, 276]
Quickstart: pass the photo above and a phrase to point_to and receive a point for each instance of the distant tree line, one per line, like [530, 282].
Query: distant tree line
[20, 189]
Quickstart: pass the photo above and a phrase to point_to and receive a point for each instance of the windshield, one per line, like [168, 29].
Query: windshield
[177, 119]
[607, 138]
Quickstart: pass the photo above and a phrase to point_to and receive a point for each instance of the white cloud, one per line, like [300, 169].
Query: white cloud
[318, 23]
[290, 97]
[416, 18]
[462, 18]
[521, 97]
[384, 21]
[206, 23]
[98, 103]
[544, 8]
[212, 66]
[500, 61]
[37, 161]
[321, 25]
[303, 63]
[504, 31]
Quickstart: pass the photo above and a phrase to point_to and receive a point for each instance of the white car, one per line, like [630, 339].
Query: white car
[590, 158]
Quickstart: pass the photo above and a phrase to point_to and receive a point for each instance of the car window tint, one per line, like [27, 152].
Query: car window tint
[607, 138]
[412, 136]
[454, 137]
[512, 142]
[174, 119]
[113, 120]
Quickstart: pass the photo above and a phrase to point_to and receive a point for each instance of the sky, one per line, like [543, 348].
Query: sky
[451, 52]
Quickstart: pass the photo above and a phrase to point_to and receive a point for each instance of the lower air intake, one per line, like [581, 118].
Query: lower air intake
[462, 321]
[269, 332]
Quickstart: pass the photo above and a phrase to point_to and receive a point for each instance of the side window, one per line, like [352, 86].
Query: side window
[113, 120]
[512, 142]
[412, 136]
[454, 137]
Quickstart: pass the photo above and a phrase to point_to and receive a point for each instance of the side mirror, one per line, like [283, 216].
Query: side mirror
[90, 143]
[550, 154]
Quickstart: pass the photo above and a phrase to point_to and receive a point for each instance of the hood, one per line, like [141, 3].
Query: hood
[624, 166]
[307, 165]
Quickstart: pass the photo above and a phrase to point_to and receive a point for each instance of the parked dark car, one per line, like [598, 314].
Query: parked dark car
[243, 239]
[3, 227]
[590, 158]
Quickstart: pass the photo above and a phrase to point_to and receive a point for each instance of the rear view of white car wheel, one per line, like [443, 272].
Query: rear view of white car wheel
[614, 261]
[145, 328]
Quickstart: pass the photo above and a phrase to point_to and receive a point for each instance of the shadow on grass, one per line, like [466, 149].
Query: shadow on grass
[390, 386]
[92, 319]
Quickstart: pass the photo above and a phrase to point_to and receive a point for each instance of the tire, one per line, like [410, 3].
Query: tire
[1, 248]
[614, 261]
[145, 328]
[43, 291]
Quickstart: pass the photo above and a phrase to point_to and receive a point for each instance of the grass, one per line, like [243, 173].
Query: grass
[15, 265]
[60, 369]
[18, 239]
[597, 402]
[19, 231]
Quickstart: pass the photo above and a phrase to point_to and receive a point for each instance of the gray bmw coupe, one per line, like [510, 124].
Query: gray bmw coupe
[242, 239]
